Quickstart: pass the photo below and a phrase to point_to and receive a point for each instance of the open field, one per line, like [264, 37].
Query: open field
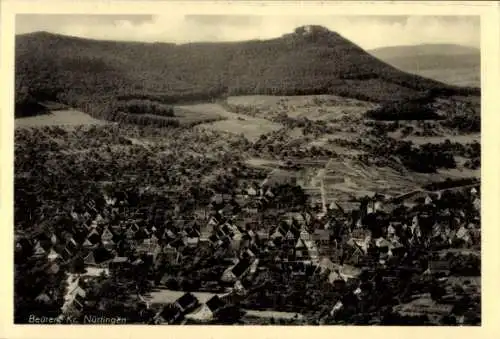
[69, 117]
[314, 107]
[187, 116]
[250, 127]
[165, 296]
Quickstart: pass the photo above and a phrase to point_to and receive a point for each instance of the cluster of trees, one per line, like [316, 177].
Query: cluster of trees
[279, 145]
[26, 104]
[449, 183]
[308, 126]
[426, 158]
[31, 281]
[146, 120]
[88, 158]
[473, 163]
[404, 110]
[137, 106]
[464, 123]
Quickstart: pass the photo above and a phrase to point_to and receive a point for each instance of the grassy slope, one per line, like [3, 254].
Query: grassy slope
[52, 66]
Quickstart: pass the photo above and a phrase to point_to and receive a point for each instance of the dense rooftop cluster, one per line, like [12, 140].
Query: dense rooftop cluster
[247, 251]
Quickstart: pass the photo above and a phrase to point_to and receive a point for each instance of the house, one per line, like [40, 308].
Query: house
[39, 251]
[262, 235]
[89, 260]
[251, 191]
[74, 299]
[88, 244]
[354, 253]
[66, 254]
[52, 268]
[214, 239]
[53, 239]
[336, 308]
[208, 310]
[74, 215]
[110, 201]
[106, 235]
[473, 191]
[53, 255]
[237, 271]
[102, 256]
[93, 238]
[23, 244]
[439, 266]
[154, 240]
[463, 235]
[169, 314]
[43, 298]
[477, 204]
[71, 244]
[118, 262]
[187, 303]
[334, 275]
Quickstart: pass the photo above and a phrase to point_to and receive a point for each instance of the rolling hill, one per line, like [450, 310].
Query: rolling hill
[86, 73]
[453, 64]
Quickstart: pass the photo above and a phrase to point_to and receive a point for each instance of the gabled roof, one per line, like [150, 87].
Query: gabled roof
[101, 254]
[170, 313]
[39, 250]
[215, 303]
[107, 234]
[89, 259]
[94, 237]
[187, 301]
[43, 297]
[213, 238]
[67, 254]
[241, 267]
[71, 244]
[381, 242]
[300, 244]
[79, 299]
[193, 233]
[120, 260]
[53, 254]
[176, 243]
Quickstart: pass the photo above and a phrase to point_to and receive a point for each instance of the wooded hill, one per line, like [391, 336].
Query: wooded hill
[80, 72]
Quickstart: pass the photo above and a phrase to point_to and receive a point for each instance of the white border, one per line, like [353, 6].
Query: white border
[490, 41]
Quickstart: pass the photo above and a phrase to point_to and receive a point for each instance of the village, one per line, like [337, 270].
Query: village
[263, 257]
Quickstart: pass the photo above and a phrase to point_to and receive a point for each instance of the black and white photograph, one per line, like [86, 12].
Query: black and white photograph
[208, 169]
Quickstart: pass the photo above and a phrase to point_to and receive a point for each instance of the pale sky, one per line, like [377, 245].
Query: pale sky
[366, 31]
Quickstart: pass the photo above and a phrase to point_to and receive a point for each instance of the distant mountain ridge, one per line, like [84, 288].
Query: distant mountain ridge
[423, 49]
[311, 60]
[453, 64]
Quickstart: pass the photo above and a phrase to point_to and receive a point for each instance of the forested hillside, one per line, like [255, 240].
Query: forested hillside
[84, 73]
